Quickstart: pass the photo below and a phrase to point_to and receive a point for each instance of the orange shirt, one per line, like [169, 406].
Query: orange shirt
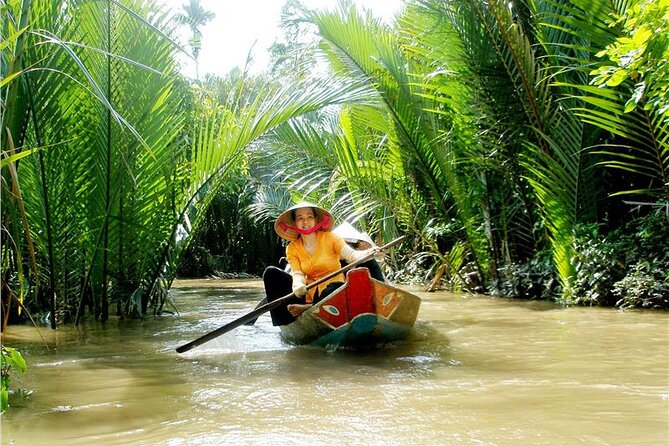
[322, 262]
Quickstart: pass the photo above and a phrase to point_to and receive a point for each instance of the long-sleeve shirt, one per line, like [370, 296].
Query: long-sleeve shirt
[307, 268]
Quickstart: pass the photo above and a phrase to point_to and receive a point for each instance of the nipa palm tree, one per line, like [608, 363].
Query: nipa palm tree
[195, 16]
[493, 118]
[113, 200]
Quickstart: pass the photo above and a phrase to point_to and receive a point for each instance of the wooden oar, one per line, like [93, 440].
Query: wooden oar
[275, 303]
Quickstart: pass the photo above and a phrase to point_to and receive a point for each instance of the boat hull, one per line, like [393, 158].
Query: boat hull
[362, 313]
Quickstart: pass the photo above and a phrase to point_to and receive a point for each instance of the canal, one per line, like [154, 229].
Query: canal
[475, 371]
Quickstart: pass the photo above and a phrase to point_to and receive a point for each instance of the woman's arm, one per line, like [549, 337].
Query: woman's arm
[352, 255]
[299, 283]
[299, 279]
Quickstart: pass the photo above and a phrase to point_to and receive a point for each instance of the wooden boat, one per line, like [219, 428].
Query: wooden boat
[363, 312]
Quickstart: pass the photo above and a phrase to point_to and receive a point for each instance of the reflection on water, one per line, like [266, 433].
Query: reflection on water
[476, 371]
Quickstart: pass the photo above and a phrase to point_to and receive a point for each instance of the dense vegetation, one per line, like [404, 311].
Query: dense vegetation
[523, 146]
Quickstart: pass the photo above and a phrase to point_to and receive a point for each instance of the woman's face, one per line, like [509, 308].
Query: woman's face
[305, 218]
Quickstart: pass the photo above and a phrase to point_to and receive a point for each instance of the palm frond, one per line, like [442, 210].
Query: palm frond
[641, 147]
[360, 48]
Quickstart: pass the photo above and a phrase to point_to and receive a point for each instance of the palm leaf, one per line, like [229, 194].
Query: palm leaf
[642, 147]
[360, 48]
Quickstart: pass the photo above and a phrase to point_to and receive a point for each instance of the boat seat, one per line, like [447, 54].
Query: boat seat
[360, 292]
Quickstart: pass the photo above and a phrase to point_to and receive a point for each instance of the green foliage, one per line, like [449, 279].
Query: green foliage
[230, 241]
[129, 172]
[598, 266]
[11, 364]
[535, 278]
[629, 101]
[473, 125]
[645, 252]
[640, 55]
[645, 286]
[194, 16]
[479, 143]
[292, 57]
[99, 77]
[629, 267]
[392, 162]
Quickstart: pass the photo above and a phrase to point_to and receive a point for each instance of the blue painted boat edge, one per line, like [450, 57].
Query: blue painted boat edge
[365, 329]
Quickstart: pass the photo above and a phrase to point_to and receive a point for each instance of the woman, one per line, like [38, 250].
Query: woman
[313, 253]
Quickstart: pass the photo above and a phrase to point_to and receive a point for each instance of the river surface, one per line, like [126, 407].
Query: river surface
[476, 371]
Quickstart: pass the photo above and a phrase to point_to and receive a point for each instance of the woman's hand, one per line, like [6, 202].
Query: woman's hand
[300, 291]
[351, 255]
[375, 252]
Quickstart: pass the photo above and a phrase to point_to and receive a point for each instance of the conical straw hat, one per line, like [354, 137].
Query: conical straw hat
[284, 224]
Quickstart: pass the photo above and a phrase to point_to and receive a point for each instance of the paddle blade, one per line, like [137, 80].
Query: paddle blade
[253, 315]
[260, 304]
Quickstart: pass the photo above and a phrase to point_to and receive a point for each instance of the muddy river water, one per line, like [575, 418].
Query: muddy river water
[475, 371]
